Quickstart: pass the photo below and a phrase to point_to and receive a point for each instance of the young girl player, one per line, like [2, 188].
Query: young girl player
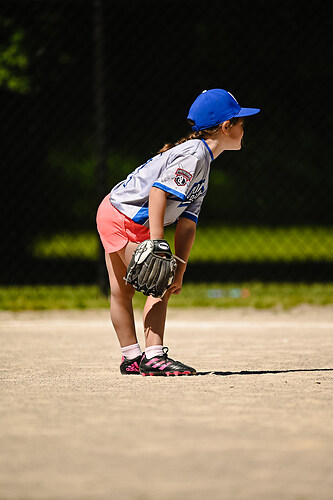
[168, 188]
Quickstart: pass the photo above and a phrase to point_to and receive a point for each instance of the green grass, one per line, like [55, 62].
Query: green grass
[51, 297]
[255, 295]
[221, 243]
[218, 244]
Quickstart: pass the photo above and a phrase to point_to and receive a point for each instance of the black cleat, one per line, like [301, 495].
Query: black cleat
[130, 366]
[164, 366]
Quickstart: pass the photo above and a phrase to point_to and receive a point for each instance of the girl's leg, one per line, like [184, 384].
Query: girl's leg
[122, 316]
[154, 316]
[156, 360]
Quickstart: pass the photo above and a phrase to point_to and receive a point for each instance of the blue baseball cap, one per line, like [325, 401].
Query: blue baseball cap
[216, 106]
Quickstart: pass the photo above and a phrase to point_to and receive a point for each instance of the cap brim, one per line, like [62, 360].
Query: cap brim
[247, 112]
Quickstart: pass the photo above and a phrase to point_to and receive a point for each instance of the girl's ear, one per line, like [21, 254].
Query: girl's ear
[226, 126]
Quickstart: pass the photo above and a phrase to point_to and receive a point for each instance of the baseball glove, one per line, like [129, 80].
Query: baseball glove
[152, 268]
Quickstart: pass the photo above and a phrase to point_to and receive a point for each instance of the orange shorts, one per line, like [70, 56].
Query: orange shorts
[115, 229]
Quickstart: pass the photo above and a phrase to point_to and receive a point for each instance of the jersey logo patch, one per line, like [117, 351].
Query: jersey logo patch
[182, 177]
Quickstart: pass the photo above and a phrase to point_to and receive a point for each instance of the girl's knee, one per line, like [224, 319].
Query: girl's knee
[125, 293]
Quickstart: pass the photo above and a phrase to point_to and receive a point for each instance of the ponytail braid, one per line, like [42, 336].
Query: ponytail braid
[196, 134]
[192, 135]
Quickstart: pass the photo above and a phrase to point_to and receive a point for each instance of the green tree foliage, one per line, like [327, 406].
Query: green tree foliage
[13, 58]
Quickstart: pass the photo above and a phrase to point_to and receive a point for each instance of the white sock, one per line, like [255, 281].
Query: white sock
[131, 351]
[154, 350]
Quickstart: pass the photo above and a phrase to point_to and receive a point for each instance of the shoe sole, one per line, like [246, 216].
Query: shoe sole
[167, 374]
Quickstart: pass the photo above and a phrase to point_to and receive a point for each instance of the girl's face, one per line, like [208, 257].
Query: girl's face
[233, 134]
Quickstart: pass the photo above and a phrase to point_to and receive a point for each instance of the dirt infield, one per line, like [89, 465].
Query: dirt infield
[256, 423]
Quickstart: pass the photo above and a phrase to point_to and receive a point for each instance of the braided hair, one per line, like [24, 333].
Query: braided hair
[196, 134]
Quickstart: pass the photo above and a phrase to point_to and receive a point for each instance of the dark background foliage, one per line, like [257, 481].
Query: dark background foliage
[157, 57]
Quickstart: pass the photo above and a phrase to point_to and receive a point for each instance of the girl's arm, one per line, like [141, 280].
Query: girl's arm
[184, 238]
[157, 203]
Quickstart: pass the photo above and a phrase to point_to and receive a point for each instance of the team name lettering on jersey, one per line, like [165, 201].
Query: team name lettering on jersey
[197, 189]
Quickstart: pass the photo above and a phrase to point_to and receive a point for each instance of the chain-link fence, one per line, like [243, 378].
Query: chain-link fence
[92, 89]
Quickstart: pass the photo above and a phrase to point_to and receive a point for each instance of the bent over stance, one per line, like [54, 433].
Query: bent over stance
[168, 188]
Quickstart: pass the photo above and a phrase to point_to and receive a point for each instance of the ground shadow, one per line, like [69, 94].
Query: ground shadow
[264, 372]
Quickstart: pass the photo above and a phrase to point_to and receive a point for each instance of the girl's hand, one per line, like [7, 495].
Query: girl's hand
[177, 283]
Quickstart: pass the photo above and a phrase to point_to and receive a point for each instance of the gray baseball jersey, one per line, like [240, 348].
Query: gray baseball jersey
[182, 172]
